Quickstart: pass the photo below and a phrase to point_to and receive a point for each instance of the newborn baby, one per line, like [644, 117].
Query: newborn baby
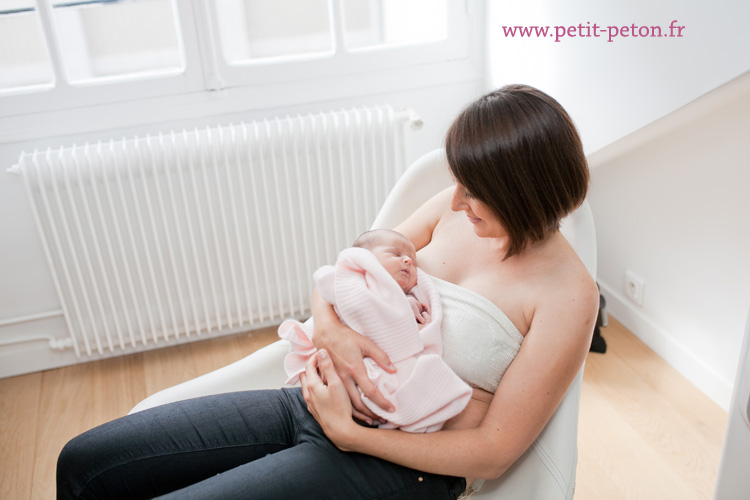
[377, 290]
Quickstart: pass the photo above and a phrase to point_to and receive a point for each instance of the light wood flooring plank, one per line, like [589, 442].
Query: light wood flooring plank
[214, 354]
[707, 418]
[645, 431]
[65, 411]
[19, 412]
[173, 365]
[117, 382]
[628, 466]
[167, 367]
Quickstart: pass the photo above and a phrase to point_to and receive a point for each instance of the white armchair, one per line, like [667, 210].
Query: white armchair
[547, 470]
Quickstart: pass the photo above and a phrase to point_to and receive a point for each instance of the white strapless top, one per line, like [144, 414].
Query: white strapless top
[479, 340]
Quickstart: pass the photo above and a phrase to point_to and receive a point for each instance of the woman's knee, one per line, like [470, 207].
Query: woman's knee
[74, 461]
[87, 456]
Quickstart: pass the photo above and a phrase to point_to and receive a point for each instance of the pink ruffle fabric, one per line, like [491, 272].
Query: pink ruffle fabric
[424, 390]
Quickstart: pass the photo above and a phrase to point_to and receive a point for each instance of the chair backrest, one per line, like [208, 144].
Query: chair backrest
[547, 470]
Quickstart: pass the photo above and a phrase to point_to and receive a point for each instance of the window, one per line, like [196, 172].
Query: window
[377, 23]
[259, 30]
[106, 39]
[58, 55]
[261, 40]
[24, 67]
[253, 31]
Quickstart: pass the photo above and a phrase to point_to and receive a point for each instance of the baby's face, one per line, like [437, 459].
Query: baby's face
[398, 256]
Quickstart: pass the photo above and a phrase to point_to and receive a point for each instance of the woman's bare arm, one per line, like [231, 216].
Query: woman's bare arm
[419, 226]
[347, 349]
[529, 393]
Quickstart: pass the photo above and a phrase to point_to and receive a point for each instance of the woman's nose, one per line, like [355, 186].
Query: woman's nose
[457, 202]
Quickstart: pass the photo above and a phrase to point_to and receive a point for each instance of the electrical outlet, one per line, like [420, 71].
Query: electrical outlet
[634, 286]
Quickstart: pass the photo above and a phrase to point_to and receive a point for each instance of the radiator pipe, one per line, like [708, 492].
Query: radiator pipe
[54, 343]
[413, 119]
[31, 317]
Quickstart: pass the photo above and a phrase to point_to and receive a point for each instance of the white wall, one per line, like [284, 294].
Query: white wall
[674, 209]
[614, 88]
[669, 167]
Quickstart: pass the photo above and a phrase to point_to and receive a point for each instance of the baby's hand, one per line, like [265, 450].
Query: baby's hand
[425, 318]
[416, 308]
[421, 312]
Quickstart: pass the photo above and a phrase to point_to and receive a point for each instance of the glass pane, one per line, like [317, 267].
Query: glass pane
[370, 23]
[24, 60]
[114, 38]
[261, 29]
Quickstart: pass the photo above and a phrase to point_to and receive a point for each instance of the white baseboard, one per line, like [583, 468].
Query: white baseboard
[666, 345]
[33, 357]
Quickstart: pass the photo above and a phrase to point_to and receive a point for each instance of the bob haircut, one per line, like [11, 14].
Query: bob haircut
[518, 152]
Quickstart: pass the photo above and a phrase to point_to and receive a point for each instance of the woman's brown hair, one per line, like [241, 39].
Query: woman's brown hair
[518, 152]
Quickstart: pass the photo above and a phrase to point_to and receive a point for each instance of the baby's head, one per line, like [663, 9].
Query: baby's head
[395, 253]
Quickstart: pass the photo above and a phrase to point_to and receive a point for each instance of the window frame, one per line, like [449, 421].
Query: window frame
[342, 61]
[64, 95]
[209, 86]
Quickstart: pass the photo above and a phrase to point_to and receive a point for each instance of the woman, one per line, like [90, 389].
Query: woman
[516, 296]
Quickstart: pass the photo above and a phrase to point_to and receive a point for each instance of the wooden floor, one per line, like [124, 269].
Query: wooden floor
[645, 432]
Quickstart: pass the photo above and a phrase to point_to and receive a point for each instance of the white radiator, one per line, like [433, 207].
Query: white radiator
[157, 239]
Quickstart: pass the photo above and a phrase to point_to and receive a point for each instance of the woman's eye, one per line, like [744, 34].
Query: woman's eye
[468, 195]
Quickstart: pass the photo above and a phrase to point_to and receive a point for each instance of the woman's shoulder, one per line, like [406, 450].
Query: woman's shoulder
[567, 293]
[564, 269]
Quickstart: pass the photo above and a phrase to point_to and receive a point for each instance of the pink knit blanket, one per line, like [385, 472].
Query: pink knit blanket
[424, 390]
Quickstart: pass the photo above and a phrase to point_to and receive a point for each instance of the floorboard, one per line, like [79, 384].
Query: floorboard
[645, 431]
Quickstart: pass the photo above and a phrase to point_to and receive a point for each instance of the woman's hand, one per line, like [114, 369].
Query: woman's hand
[327, 398]
[347, 349]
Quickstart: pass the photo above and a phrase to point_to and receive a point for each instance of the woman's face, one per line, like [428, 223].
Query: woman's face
[484, 221]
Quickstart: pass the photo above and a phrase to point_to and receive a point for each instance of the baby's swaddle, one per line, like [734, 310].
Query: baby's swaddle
[424, 390]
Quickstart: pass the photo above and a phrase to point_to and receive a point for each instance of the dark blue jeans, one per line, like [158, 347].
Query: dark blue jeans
[255, 445]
